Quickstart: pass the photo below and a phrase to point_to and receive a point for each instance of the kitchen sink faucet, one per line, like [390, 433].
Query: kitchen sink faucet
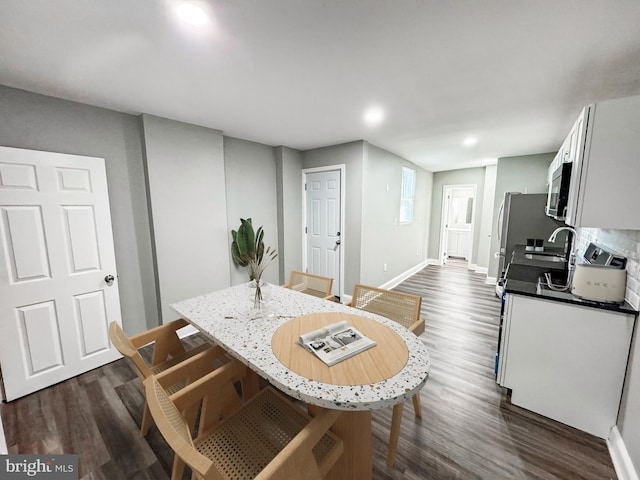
[572, 254]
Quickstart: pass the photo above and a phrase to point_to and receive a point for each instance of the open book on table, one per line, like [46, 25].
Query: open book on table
[335, 342]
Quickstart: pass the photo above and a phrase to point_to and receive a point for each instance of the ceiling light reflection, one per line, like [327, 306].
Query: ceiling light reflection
[191, 14]
[373, 116]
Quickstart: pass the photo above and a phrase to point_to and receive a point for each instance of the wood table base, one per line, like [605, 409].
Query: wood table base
[354, 428]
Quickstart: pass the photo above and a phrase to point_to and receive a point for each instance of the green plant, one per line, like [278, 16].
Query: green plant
[248, 250]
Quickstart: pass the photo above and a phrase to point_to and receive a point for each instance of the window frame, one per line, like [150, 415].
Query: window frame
[407, 195]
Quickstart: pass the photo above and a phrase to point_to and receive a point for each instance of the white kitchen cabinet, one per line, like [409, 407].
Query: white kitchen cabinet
[458, 243]
[604, 145]
[565, 361]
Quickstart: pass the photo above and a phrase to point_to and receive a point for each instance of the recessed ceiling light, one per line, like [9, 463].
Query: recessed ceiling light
[373, 116]
[192, 14]
[470, 141]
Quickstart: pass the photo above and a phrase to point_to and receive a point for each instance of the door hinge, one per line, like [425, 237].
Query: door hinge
[305, 187]
[305, 230]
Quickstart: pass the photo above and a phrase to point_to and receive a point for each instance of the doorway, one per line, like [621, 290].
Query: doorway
[323, 223]
[458, 215]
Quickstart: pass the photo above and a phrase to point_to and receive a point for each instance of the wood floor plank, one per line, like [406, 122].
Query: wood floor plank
[468, 429]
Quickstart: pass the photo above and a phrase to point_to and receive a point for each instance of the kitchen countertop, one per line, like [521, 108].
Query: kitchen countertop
[523, 278]
[533, 289]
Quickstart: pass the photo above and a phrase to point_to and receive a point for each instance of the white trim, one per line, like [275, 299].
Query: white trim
[343, 240]
[3, 442]
[620, 456]
[434, 261]
[403, 276]
[483, 270]
[491, 280]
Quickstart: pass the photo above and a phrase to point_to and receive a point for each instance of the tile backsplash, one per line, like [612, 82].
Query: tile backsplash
[623, 242]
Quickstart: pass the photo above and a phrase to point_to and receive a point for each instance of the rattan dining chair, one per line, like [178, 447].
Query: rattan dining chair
[168, 350]
[403, 308]
[267, 437]
[311, 284]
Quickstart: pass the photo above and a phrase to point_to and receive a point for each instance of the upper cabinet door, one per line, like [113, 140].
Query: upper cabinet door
[604, 189]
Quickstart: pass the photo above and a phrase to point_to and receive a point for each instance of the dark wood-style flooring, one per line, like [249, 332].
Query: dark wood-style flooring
[469, 430]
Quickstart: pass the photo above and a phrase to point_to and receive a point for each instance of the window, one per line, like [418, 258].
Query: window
[407, 195]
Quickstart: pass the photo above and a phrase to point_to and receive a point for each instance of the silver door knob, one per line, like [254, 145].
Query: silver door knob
[109, 279]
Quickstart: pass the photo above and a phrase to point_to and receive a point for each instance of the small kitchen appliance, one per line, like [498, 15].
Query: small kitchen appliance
[601, 276]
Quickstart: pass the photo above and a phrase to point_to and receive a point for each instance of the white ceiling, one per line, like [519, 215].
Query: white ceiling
[513, 73]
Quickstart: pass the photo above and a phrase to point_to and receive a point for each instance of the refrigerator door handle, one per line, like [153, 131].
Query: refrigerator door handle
[499, 222]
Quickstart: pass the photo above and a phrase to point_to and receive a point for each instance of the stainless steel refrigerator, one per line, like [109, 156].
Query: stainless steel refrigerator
[522, 216]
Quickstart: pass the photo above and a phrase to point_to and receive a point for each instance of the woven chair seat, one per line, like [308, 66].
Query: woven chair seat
[245, 444]
[265, 437]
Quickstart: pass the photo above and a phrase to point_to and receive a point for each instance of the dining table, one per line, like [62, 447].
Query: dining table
[266, 340]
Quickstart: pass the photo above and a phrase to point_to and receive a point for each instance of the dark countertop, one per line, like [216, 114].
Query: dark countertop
[523, 275]
[533, 289]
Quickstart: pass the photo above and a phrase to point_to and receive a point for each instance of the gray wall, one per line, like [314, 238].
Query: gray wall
[525, 174]
[185, 171]
[250, 170]
[467, 176]
[38, 122]
[384, 240]
[289, 191]
[351, 155]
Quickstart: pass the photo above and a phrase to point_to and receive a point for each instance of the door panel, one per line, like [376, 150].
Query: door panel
[40, 335]
[56, 249]
[81, 238]
[23, 235]
[90, 310]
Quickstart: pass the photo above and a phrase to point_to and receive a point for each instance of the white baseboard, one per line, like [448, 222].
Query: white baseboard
[403, 276]
[620, 456]
[491, 280]
[433, 261]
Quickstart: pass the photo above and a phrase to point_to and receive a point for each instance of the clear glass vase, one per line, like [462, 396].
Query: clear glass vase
[258, 298]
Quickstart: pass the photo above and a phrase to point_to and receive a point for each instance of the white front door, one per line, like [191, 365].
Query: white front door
[323, 236]
[57, 250]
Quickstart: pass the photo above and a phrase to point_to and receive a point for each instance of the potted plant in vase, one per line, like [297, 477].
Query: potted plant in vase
[248, 250]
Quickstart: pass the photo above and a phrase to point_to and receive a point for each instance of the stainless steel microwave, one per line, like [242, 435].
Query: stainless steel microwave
[559, 178]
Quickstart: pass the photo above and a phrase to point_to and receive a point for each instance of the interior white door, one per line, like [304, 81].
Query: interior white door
[56, 298]
[458, 208]
[323, 207]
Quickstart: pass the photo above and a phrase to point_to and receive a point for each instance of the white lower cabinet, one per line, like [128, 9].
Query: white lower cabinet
[564, 361]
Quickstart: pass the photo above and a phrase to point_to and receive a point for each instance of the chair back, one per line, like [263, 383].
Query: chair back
[311, 284]
[268, 438]
[124, 345]
[400, 307]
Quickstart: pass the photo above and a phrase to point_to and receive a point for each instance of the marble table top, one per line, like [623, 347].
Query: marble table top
[228, 318]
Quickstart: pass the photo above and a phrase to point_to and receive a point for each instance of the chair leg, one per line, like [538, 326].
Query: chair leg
[396, 420]
[416, 405]
[146, 421]
[177, 472]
